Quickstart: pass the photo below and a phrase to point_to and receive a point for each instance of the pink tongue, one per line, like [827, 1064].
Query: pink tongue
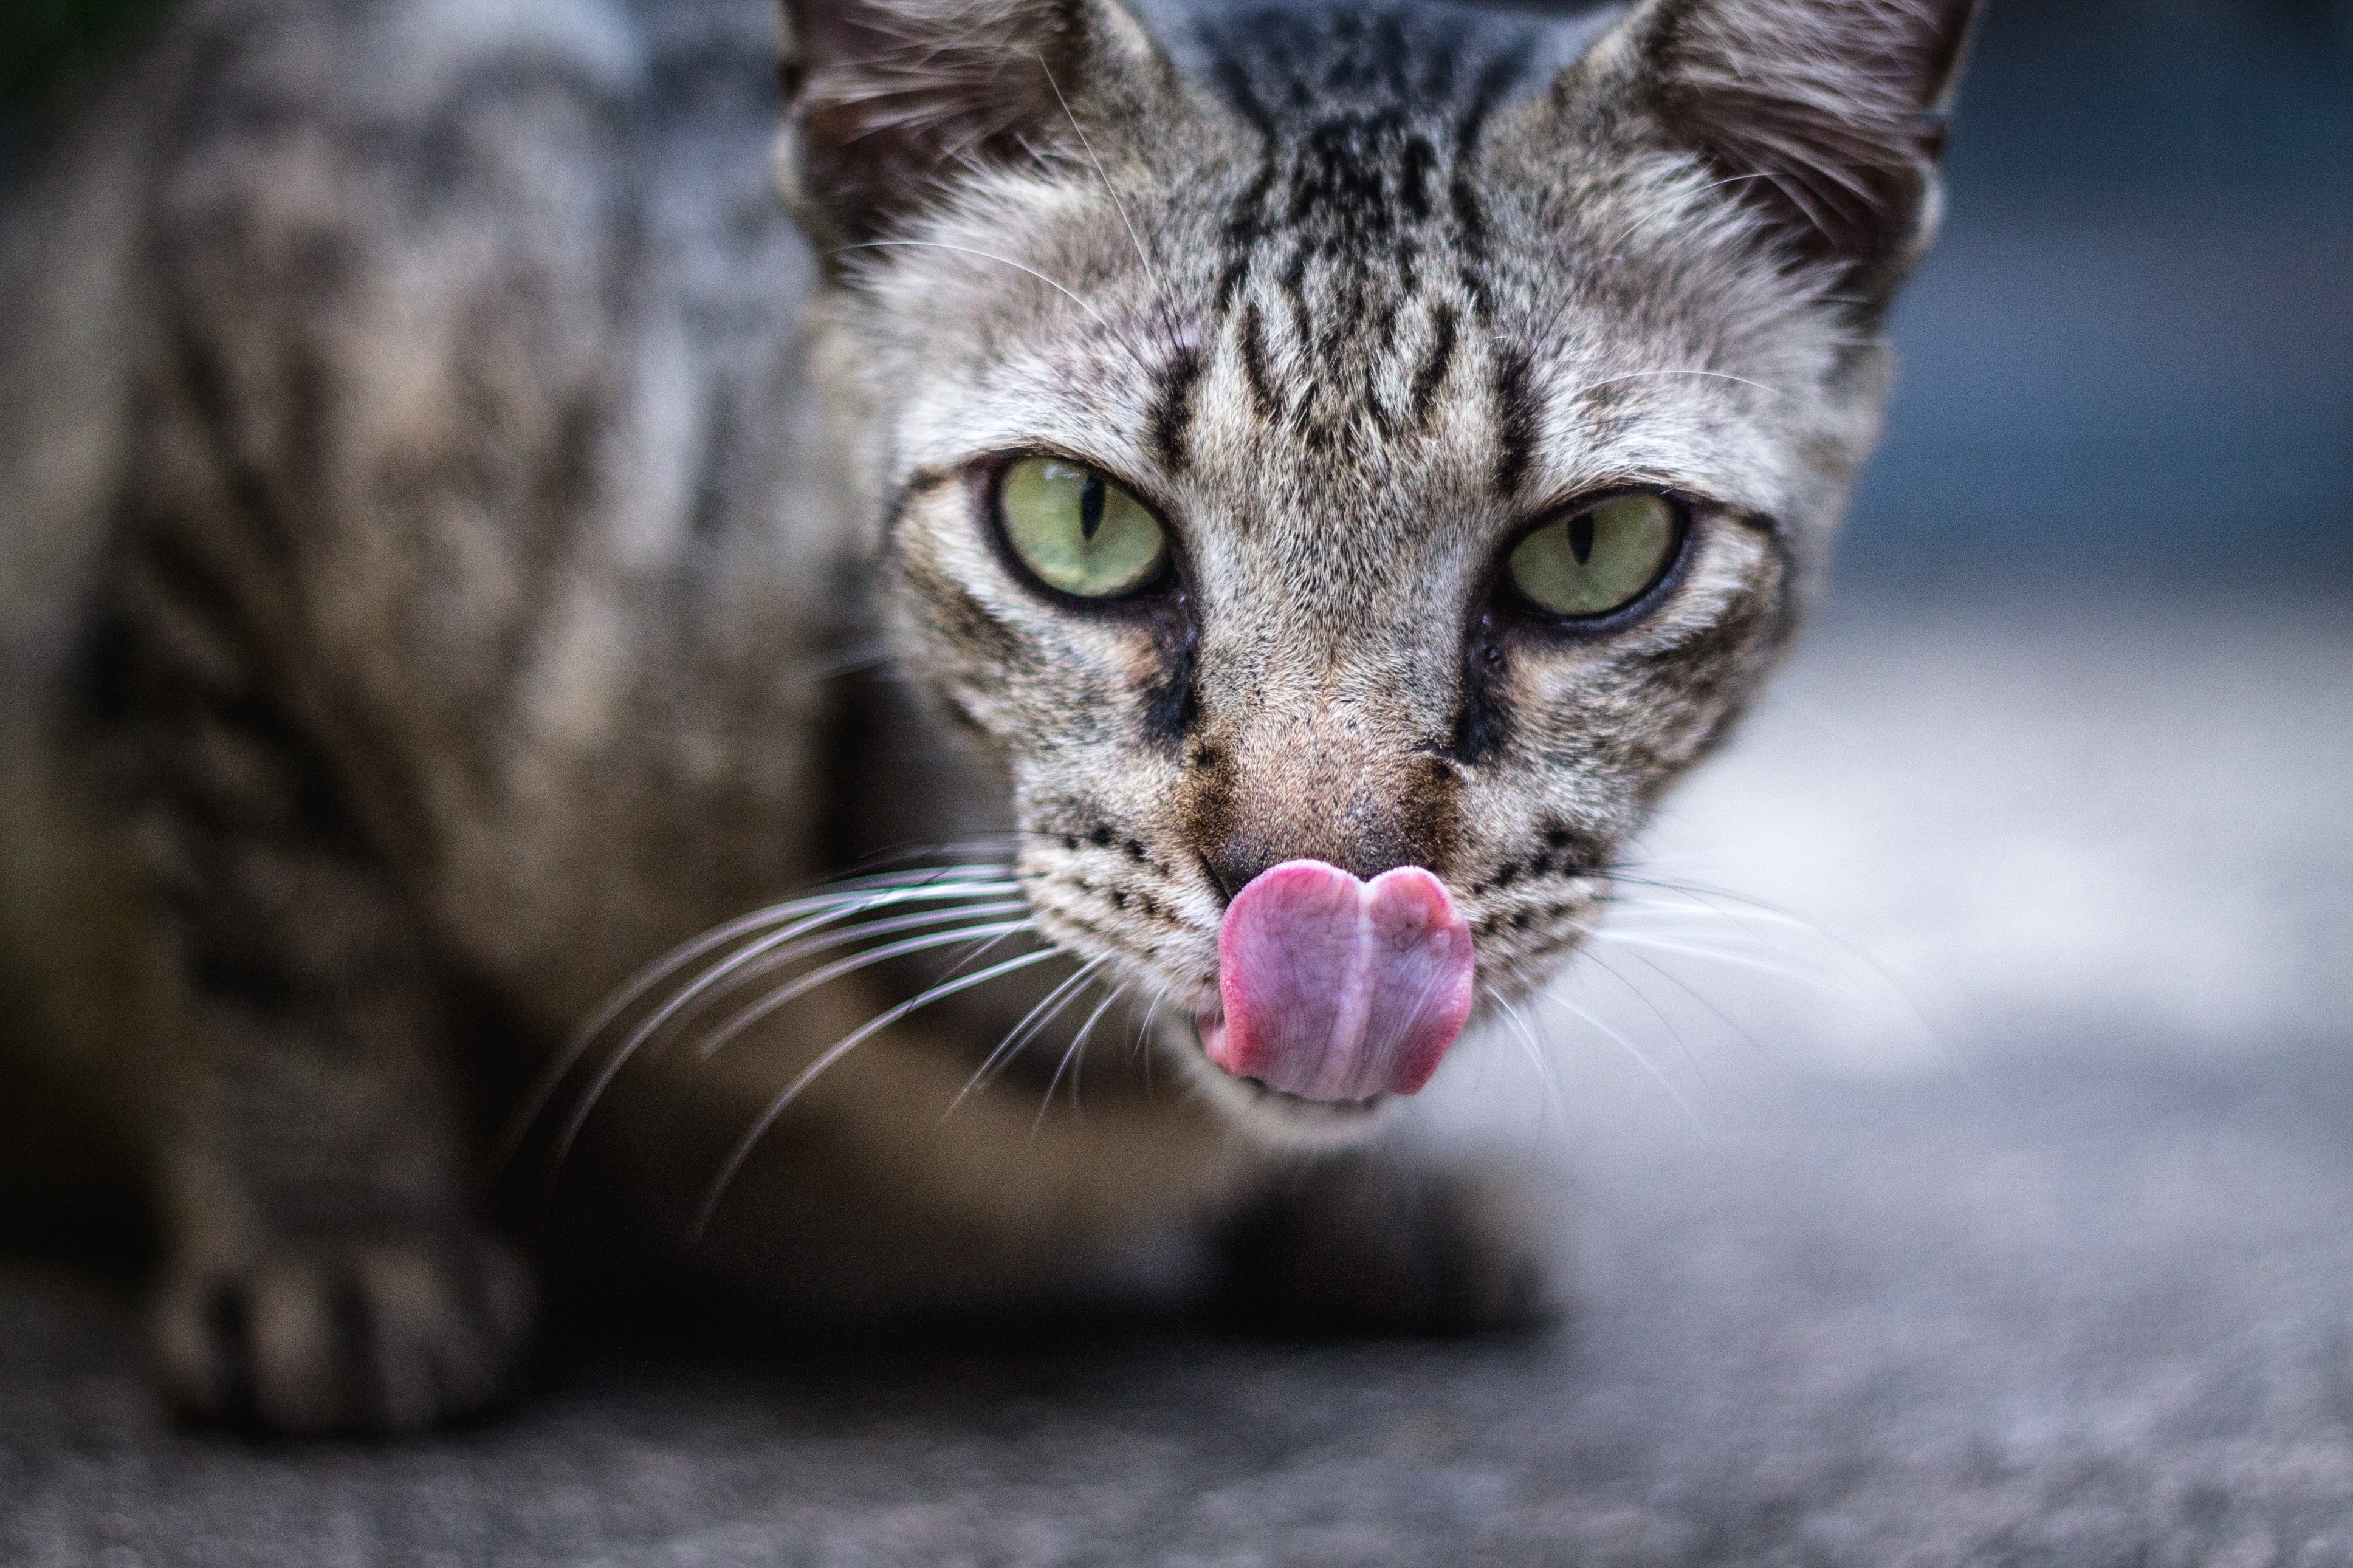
[1336, 989]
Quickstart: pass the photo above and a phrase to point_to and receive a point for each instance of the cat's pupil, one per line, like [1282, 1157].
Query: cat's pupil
[1091, 509]
[1580, 538]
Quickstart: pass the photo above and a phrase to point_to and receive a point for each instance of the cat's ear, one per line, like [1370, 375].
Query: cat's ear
[891, 102]
[1827, 117]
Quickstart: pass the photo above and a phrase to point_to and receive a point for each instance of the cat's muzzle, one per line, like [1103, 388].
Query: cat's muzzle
[1337, 990]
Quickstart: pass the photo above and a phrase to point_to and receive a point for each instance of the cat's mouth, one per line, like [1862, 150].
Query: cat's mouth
[1335, 992]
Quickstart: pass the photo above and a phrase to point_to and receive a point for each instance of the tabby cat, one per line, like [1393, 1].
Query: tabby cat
[1179, 551]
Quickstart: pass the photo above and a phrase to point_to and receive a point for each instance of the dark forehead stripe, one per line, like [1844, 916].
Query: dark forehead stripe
[1256, 371]
[1288, 69]
[1354, 259]
[1431, 374]
[1462, 194]
[1172, 408]
[1368, 118]
[1516, 416]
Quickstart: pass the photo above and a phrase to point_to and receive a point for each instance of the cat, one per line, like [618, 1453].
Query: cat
[1208, 526]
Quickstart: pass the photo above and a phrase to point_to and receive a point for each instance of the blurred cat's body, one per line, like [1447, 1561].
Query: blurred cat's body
[463, 541]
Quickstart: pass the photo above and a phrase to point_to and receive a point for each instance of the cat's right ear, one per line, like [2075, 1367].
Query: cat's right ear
[891, 104]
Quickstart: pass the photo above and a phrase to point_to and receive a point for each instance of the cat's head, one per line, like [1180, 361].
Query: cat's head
[1402, 437]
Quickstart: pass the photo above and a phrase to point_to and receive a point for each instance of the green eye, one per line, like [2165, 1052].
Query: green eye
[1598, 559]
[1077, 530]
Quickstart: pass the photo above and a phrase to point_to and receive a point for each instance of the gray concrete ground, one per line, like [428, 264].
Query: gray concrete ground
[1988, 1206]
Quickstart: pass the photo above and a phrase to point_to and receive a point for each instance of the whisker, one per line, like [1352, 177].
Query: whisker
[1629, 1047]
[1684, 920]
[1656, 1012]
[976, 955]
[1679, 984]
[983, 852]
[1645, 374]
[1062, 288]
[1696, 907]
[1037, 1019]
[768, 963]
[834, 1052]
[1707, 896]
[848, 891]
[751, 952]
[1108, 189]
[1733, 961]
[1077, 1046]
[1533, 1050]
[1160, 296]
[735, 1025]
[851, 662]
[1144, 1033]
[775, 947]
[644, 980]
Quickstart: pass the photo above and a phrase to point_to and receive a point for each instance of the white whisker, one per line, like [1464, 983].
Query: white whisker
[1534, 1049]
[1679, 984]
[1733, 960]
[1037, 1019]
[834, 1052]
[1656, 1010]
[1144, 1033]
[631, 991]
[760, 964]
[985, 852]
[1629, 1047]
[754, 950]
[978, 953]
[775, 947]
[1708, 897]
[1077, 1046]
[734, 1026]
[1108, 189]
[1143, 257]
[1645, 374]
[1757, 909]
[851, 661]
[1059, 288]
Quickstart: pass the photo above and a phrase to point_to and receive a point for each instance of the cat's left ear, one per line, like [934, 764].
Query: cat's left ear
[1826, 119]
[892, 104]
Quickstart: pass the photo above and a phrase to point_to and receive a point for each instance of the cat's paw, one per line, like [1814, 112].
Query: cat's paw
[1356, 1246]
[367, 1336]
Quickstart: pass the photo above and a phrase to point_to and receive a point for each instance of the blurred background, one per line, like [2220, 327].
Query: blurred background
[1960, 1110]
[2133, 350]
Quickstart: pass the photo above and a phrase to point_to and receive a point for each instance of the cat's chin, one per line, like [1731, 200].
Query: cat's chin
[1278, 1120]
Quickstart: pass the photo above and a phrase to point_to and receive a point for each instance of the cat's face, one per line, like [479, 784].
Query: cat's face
[1401, 456]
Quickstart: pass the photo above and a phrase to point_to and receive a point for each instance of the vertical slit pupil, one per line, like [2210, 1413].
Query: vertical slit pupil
[1580, 537]
[1091, 509]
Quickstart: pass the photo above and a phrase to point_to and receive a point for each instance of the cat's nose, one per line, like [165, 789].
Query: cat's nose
[1279, 791]
[1241, 857]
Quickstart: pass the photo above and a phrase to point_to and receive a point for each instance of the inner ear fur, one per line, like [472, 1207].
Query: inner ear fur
[890, 102]
[1827, 118]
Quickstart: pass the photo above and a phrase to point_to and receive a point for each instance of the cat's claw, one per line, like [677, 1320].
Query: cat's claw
[375, 1336]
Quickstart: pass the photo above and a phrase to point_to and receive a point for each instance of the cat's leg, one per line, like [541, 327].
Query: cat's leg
[323, 1268]
[1376, 1242]
[324, 1272]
